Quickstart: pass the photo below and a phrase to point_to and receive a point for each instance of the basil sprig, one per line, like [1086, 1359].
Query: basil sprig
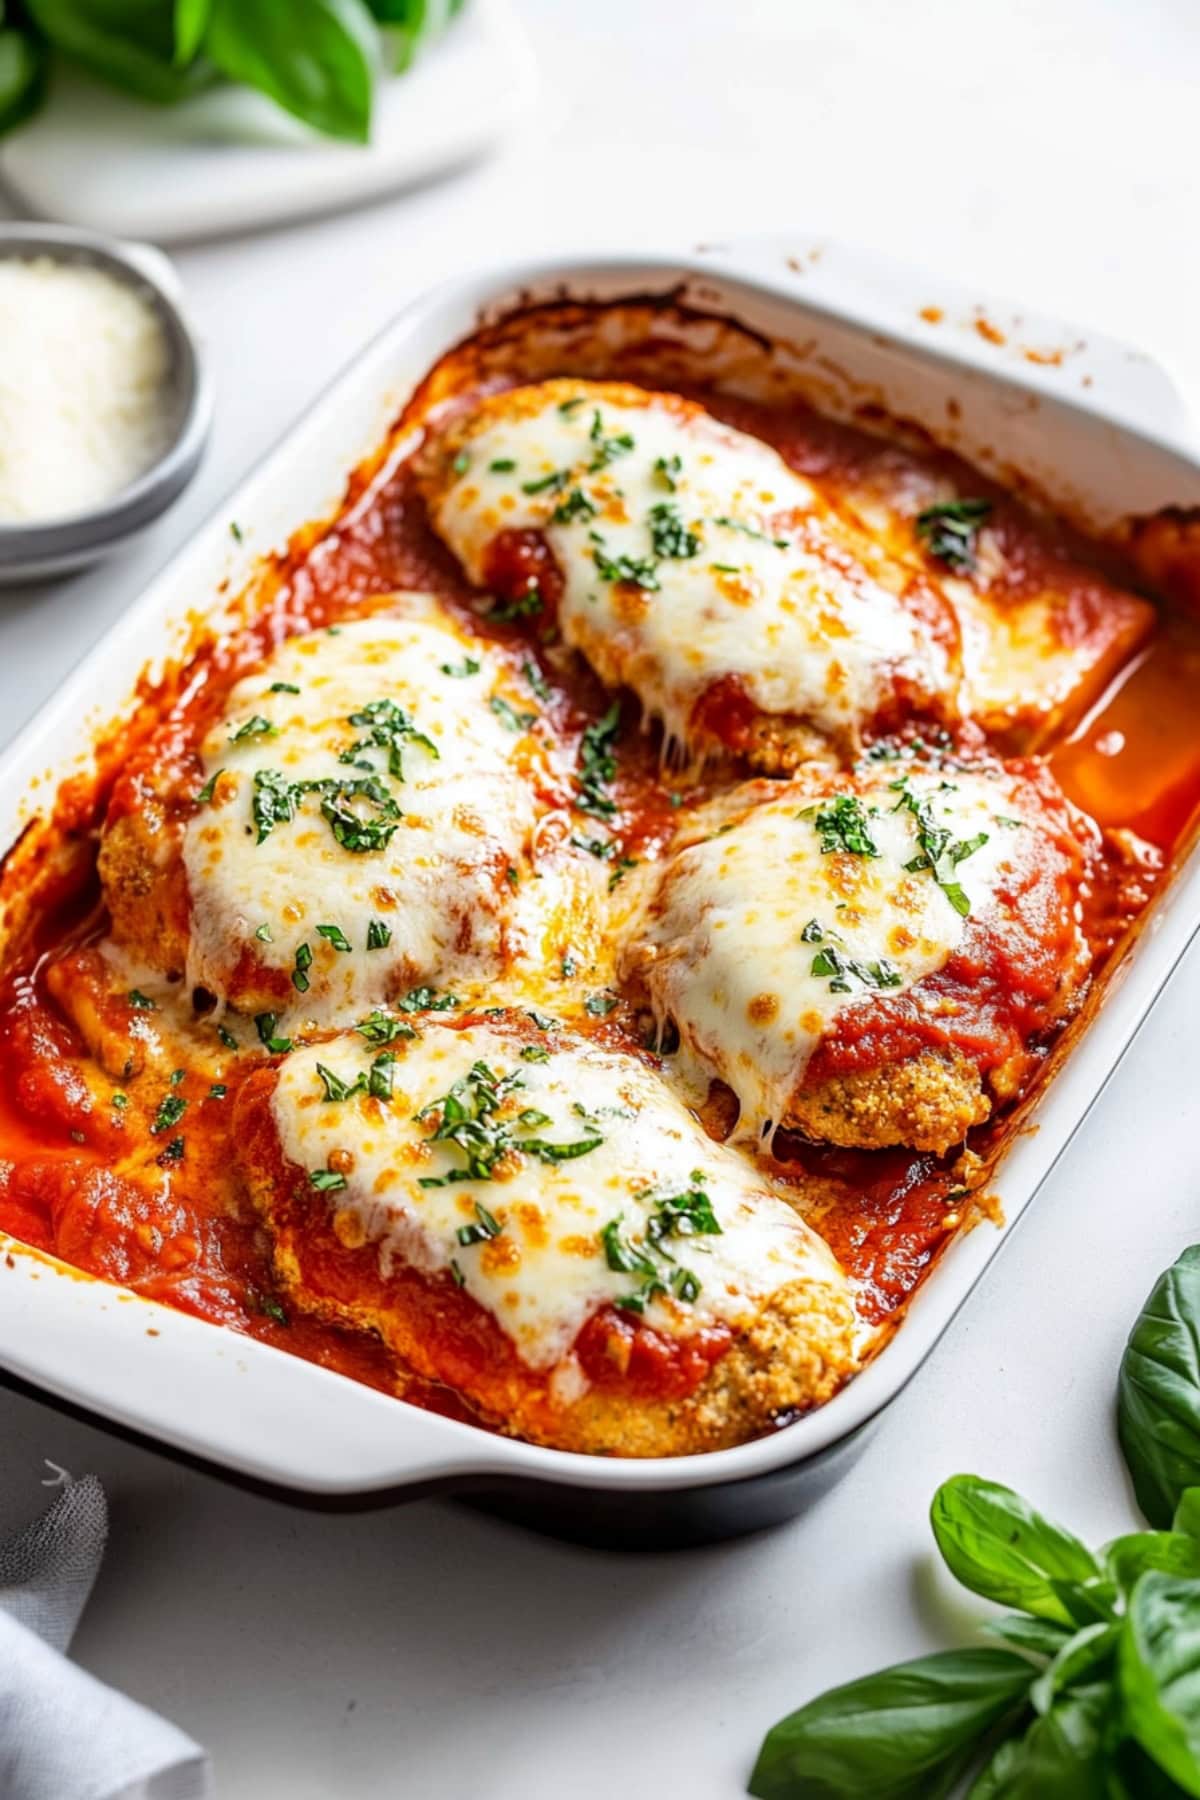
[1095, 1694]
[1158, 1391]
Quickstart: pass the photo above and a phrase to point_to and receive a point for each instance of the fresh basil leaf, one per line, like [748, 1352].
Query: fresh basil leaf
[999, 1769]
[1089, 1653]
[128, 42]
[1187, 1513]
[998, 1546]
[1172, 1551]
[1132, 1776]
[315, 58]
[1159, 1665]
[191, 22]
[1042, 1637]
[1063, 1755]
[22, 77]
[905, 1733]
[1158, 1392]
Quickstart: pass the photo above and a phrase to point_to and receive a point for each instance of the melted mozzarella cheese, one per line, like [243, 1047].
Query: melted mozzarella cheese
[547, 1270]
[759, 937]
[744, 571]
[433, 902]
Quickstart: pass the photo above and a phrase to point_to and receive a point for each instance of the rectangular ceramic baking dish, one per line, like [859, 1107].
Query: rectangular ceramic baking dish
[1092, 428]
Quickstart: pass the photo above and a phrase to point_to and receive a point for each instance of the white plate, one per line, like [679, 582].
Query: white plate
[228, 160]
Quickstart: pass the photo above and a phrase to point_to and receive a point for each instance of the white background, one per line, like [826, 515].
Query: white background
[1039, 149]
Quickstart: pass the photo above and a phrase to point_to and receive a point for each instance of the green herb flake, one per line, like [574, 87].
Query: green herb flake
[380, 1028]
[669, 535]
[502, 465]
[667, 470]
[599, 1005]
[843, 826]
[574, 505]
[227, 1038]
[283, 687]
[333, 934]
[265, 1025]
[263, 934]
[536, 679]
[217, 1091]
[950, 532]
[470, 665]
[598, 765]
[142, 1002]
[523, 606]
[171, 1109]
[379, 935]
[304, 958]
[254, 727]
[461, 463]
[326, 1181]
[468, 1117]
[535, 1053]
[635, 571]
[206, 793]
[508, 715]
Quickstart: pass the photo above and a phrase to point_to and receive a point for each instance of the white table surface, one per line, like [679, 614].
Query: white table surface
[1043, 149]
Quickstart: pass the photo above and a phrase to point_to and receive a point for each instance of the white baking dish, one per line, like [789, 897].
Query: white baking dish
[1100, 434]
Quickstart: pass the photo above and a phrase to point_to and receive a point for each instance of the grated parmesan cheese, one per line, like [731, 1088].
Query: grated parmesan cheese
[84, 388]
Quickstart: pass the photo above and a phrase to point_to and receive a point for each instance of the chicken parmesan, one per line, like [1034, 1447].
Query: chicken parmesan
[541, 1224]
[359, 823]
[687, 561]
[565, 945]
[875, 959]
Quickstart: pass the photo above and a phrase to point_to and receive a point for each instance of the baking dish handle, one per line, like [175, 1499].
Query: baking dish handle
[937, 315]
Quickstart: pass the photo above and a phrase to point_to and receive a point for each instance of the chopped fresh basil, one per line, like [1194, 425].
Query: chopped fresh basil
[252, 728]
[142, 1002]
[265, 1025]
[379, 935]
[599, 1005]
[227, 1038]
[668, 533]
[209, 788]
[334, 935]
[576, 505]
[502, 465]
[390, 729]
[536, 679]
[380, 1028]
[842, 825]
[303, 965]
[546, 484]
[751, 531]
[171, 1152]
[263, 934]
[426, 999]
[467, 1117]
[171, 1109]
[461, 463]
[598, 765]
[470, 665]
[508, 715]
[523, 606]
[217, 1091]
[666, 470]
[638, 571]
[535, 1053]
[283, 687]
[326, 1181]
[951, 530]
[939, 853]
[341, 806]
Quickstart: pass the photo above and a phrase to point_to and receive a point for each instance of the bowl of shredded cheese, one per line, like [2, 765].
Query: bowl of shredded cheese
[104, 404]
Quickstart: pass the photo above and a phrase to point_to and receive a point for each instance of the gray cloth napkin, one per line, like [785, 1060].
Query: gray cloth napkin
[63, 1734]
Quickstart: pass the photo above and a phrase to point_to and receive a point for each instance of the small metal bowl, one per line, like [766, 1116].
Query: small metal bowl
[35, 551]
